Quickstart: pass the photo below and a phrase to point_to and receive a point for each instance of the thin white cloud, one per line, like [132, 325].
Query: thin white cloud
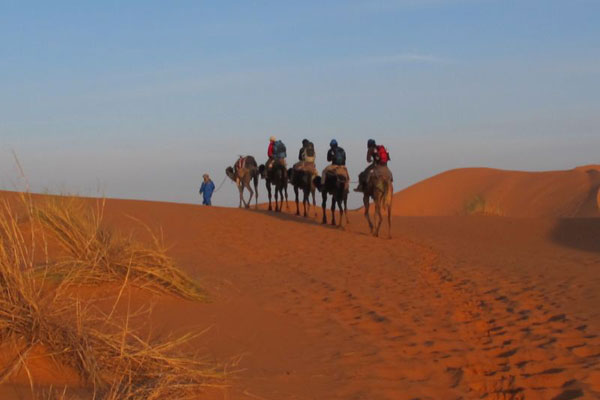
[406, 58]
[386, 5]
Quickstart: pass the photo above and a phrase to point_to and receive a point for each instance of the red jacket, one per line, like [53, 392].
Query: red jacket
[270, 150]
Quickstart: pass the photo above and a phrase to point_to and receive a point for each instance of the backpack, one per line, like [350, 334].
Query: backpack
[279, 150]
[383, 154]
[339, 156]
[309, 151]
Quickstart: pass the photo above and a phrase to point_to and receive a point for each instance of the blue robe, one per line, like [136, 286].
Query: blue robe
[206, 190]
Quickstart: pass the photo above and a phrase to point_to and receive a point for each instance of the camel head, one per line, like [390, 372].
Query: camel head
[229, 172]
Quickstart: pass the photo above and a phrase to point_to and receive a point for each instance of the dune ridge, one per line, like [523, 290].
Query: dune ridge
[487, 191]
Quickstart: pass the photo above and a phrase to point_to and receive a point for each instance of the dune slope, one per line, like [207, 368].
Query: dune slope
[467, 191]
[450, 308]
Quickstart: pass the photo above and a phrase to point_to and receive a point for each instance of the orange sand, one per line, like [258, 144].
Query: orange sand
[451, 307]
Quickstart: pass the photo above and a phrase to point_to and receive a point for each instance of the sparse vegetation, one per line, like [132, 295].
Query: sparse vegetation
[92, 253]
[477, 205]
[111, 358]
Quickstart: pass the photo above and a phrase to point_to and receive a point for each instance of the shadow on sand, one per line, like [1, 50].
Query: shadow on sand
[289, 216]
[357, 225]
[578, 233]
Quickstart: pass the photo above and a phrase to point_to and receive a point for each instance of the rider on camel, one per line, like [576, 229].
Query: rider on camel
[376, 156]
[337, 156]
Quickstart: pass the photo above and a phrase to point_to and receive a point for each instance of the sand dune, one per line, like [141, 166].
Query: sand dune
[450, 308]
[572, 193]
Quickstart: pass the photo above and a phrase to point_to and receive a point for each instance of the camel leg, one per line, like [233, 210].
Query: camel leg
[276, 199]
[346, 208]
[269, 192]
[389, 211]
[314, 201]
[281, 200]
[333, 210]
[378, 216]
[241, 190]
[256, 191]
[340, 205]
[297, 205]
[366, 203]
[241, 187]
[256, 197]
[324, 208]
[287, 205]
[251, 194]
[306, 203]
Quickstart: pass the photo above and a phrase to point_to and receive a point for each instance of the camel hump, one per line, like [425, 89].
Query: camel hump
[250, 162]
[244, 163]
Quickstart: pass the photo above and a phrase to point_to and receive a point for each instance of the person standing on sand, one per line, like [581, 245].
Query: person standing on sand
[206, 190]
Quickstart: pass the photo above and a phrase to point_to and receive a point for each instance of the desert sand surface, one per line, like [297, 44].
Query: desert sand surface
[449, 308]
[468, 191]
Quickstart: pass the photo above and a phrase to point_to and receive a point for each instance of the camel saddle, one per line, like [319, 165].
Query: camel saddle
[306, 166]
[381, 172]
[241, 163]
[340, 170]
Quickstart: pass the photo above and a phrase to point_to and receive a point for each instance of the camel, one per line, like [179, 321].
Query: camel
[336, 185]
[245, 170]
[380, 188]
[276, 176]
[302, 179]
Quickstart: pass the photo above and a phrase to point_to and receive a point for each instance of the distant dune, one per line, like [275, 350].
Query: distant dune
[468, 191]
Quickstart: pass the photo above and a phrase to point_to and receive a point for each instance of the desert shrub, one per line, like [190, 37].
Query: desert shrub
[477, 205]
[110, 357]
[92, 253]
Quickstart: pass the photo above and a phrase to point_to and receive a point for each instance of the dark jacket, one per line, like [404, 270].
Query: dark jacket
[331, 155]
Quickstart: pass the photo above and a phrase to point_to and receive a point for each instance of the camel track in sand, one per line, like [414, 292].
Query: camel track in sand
[415, 325]
[520, 344]
[497, 339]
[339, 315]
[399, 319]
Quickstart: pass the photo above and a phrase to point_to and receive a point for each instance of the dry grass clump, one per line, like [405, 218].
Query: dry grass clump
[112, 360]
[91, 253]
[477, 205]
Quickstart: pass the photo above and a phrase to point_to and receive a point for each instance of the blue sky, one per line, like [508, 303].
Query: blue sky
[137, 99]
